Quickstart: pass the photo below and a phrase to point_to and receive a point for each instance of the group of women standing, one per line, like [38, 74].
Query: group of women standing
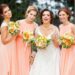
[15, 55]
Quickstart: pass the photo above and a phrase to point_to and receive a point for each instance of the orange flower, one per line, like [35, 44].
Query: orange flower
[13, 28]
[66, 40]
[27, 35]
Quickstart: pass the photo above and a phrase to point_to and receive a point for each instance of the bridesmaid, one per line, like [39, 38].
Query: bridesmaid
[3, 58]
[23, 49]
[67, 65]
[8, 50]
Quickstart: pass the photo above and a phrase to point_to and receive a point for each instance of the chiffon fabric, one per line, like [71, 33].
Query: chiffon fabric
[67, 63]
[8, 58]
[23, 49]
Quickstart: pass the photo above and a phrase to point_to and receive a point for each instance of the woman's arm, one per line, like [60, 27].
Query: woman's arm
[55, 37]
[5, 36]
[73, 29]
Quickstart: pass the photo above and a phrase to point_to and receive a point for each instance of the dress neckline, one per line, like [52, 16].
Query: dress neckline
[48, 36]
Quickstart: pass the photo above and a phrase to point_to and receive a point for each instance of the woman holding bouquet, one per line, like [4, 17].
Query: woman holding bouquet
[67, 53]
[8, 50]
[46, 61]
[27, 25]
[4, 62]
[3, 58]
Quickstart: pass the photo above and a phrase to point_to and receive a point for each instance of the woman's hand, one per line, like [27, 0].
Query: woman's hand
[32, 57]
[5, 36]
[55, 41]
[55, 37]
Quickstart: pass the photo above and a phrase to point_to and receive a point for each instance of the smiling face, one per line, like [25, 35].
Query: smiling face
[31, 15]
[63, 16]
[46, 17]
[7, 13]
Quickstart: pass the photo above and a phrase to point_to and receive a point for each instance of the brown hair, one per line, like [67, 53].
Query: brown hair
[66, 10]
[30, 8]
[2, 6]
[51, 15]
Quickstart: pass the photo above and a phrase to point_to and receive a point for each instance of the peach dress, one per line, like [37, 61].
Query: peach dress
[67, 64]
[3, 60]
[23, 49]
[8, 58]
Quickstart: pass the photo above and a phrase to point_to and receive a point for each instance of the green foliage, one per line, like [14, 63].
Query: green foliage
[18, 10]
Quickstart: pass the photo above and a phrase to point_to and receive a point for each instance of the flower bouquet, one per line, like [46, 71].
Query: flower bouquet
[67, 40]
[42, 42]
[28, 37]
[13, 28]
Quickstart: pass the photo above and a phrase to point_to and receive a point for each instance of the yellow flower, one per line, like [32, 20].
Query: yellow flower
[28, 36]
[42, 42]
[13, 28]
[66, 40]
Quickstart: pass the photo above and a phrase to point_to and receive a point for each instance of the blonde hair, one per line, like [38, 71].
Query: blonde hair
[30, 8]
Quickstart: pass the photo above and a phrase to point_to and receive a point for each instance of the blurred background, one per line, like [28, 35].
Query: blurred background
[19, 7]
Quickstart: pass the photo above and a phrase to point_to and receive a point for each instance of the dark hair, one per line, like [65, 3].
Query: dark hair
[2, 6]
[66, 10]
[51, 15]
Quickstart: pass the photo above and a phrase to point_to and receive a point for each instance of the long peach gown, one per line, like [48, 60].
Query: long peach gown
[67, 64]
[3, 60]
[23, 49]
[8, 58]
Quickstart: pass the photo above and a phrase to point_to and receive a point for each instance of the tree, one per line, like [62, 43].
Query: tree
[18, 10]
